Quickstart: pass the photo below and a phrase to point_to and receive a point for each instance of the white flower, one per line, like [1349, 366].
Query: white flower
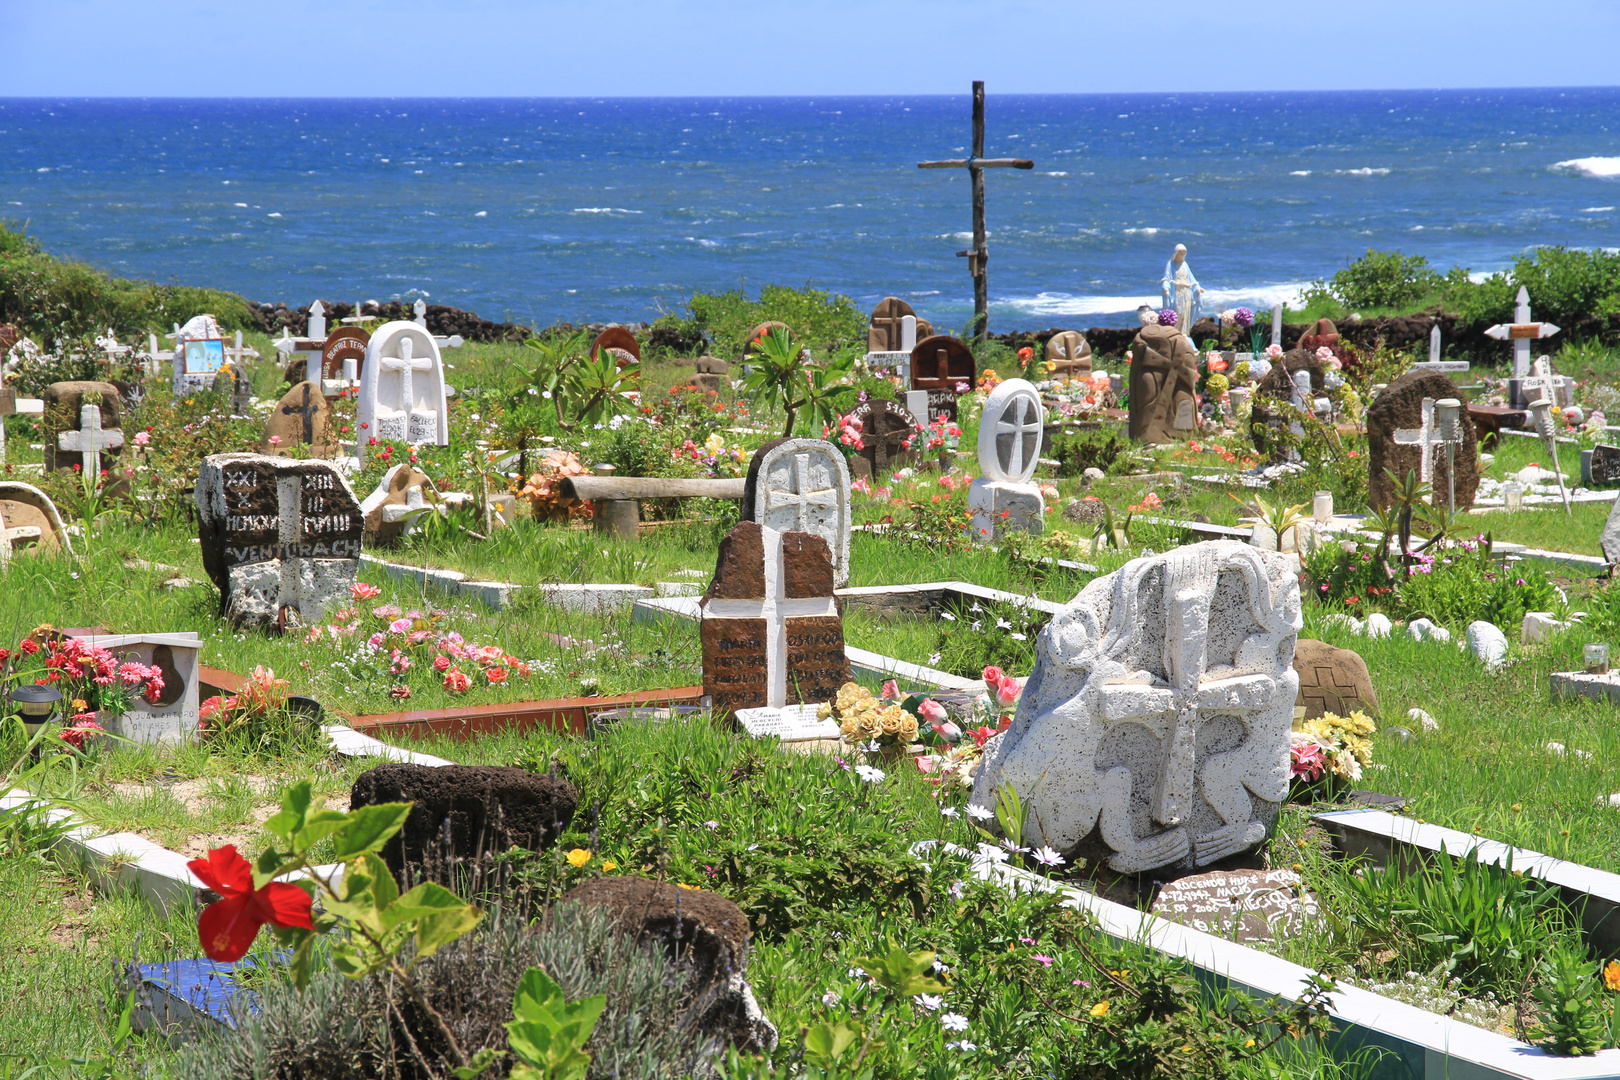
[934, 658]
[979, 813]
[869, 774]
[1047, 857]
[992, 853]
[940, 968]
[949, 811]
[1014, 848]
[953, 1022]
[830, 998]
[955, 890]
[1003, 624]
[964, 1046]
[929, 1001]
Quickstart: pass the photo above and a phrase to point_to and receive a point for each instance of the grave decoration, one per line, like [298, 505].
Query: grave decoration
[301, 418]
[388, 508]
[1324, 335]
[160, 671]
[886, 331]
[1327, 752]
[1403, 435]
[199, 352]
[1239, 905]
[1295, 378]
[889, 438]
[1521, 331]
[711, 373]
[343, 359]
[944, 367]
[479, 809]
[1002, 499]
[621, 343]
[802, 485]
[82, 425]
[1332, 680]
[1154, 731]
[29, 520]
[1181, 292]
[770, 628]
[1068, 356]
[280, 538]
[402, 394]
[1164, 375]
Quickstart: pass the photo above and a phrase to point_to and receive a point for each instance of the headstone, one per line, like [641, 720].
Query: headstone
[1604, 468]
[1239, 905]
[1332, 680]
[620, 342]
[1164, 376]
[1155, 727]
[316, 328]
[1542, 382]
[1283, 383]
[1323, 334]
[75, 439]
[883, 332]
[9, 336]
[29, 521]
[174, 713]
[770, 628]
[711, 373]
[793, 723]
[939, 365]
[1609, 541]
[402, 388]
[301, 418]
[1402, 436]
[419, 313]
[393, 491]
[343, 357]
[280, 538]
[802, 485]
[886, 428]
[1002, 499]
[917, 405]
[199, 351]
[1069, 355]
[1521, 332]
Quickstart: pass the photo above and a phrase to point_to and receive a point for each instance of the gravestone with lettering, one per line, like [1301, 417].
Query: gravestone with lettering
[1239, 905]
[343, 358]
[280, 538]
[29, 521]
[402, 394]
[1002, 499]
[943, 366]
[301, 418]
[1164, 380]
[75, 438]
[174, 714]
[1154, 731]
[1402, 436]
[889, 440]
[770, 629]
[1068, 356]
[802, 485]
[621, 343]
[1603, 469]
[197, 372]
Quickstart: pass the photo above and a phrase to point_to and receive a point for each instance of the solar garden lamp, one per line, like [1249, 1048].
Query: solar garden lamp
[35, 704]
[1541, 412]
[1447, 414]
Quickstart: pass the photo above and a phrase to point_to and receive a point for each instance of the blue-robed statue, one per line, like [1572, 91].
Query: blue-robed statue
[1182, 293]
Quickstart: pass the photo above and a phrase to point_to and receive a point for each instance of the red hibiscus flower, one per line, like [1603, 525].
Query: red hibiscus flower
[227, 928]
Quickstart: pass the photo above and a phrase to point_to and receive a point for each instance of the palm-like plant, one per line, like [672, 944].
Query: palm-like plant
[1278, 518]
[783, 378]
[581, 388]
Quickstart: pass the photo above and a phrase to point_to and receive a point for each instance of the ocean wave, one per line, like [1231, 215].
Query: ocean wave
[604, 210]
[1143, 232]
[1601, 168]
[1364, 172]
[1300, 172]
[1259, 297]
[1588, 210]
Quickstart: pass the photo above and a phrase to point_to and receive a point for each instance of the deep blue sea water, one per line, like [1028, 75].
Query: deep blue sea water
[607, 209]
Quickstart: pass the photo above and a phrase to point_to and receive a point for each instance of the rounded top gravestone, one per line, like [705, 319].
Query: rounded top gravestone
[1069, 353]
[344, 343]
[883, 332]
[28, 518]
[802, 485]
[402, 387]
[617, 339]
[1163, 380]
[886, 428]
[1403, 436]
[1010, 432]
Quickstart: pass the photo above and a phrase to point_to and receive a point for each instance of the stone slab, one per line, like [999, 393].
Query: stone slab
[794, 723]
[1240, 905]
[1568, 685]
[594, 599]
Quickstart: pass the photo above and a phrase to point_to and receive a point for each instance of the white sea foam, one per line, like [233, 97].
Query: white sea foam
[1057, 174]
[276, 214]
[1300, 172]
[482, 213]
[1259, 297]
[1365, 172]
[1588, 210]
[1143, 232]
[603, 210]
[1602, 168]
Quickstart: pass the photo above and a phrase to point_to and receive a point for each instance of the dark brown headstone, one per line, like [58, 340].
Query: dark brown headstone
[1400, 408]
[1605, 466]
[344, 343]
[708, 365]
[886, 427]
[1332, 680]
[490, 808]
[939, 364]
[1278, 385]
[62, 403]
[619, 340]
[1163, 380]
[301, 418]
[8, 401]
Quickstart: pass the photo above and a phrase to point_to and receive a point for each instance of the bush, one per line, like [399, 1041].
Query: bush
[818, 318]
[1456, 586]
[1078, 449]
[1382, 279]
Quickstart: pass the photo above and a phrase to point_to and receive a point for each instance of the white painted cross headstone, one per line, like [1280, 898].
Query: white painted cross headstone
[91, 439]
[803, 485]
[239, 352]
[1434, 363]
[1010, 431]
[1521, 332]
[1434, 344]
[419, 313]
[317, 321]
[402, 387]
[1426, 438]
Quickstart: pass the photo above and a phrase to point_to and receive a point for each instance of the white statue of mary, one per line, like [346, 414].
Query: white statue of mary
[1182, 293]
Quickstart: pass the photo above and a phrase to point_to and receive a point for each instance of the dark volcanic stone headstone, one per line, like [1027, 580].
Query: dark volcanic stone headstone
[940, 364]
[1605, 466]
[301, 418]
[1085, 512]
[1240, 905]
[1278, 385]
[280, 538]
[885, 428]
[490, 808]
[1164, 377]
[1332, 680]
[1400, 408]
[62, 403]
[705, 933]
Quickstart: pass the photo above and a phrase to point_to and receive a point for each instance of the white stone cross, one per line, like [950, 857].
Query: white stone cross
[419, 311]
[414, 504]
[1016, 429]
[317, 321]
[8, 534]
[1521, 332]
[802, 497]
[1426, 437]
[1434, 344]
[91, 439]
[109, 345]
[240, 352]
[775, 609]
[406, 364]
[1276, 325]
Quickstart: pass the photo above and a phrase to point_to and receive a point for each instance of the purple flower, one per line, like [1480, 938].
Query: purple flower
[1243, 317]
[863, 395]
[1167, 317]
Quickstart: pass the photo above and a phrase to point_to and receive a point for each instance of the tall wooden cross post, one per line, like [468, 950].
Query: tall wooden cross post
[978, 255]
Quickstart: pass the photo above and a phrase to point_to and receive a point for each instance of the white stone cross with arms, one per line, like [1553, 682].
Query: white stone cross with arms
[91, 439]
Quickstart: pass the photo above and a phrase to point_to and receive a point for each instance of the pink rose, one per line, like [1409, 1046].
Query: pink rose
[931, 712]
[890, 690]
[1007, 692]
[441, 663]
[375, 641]
[399, 626]
[142, 438]
[947, 731]
[993, 676]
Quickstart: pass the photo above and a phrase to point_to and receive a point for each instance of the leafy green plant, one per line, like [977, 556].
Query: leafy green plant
[1572, 1008]
[1076, 450]
[547, 1032]
[582, 389]
[784, 378]
[977, 634]
[1382, 279]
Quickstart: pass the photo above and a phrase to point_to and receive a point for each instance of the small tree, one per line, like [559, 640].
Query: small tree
[784, 378]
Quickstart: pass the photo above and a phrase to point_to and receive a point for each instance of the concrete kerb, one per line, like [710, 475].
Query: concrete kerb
[497, 595]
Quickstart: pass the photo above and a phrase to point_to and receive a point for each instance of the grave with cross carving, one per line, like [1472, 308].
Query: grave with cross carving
[343, 358]
[399, 489]
[1156, 723]
[280, 538]
[90, 439]
[889, 440]
[1403, 435]
[402, 394]
[301, 418]
[891, 335]
[74, 438]
[770, 628]
[1068, 356]
[1002, 499]
[1543, 382]
[802, 485]
[1521, 331]
[943, 366]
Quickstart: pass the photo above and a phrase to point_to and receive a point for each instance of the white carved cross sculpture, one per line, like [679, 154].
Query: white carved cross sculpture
[317, 321]
[239, 353]
[1017, 439]
[802, 498]
[775, 609]
[402, 391]
[1426, 437]
[91, 439]
[1434, 363]
[8, 534]
[109, 345]
[412, 510]
[802, 485]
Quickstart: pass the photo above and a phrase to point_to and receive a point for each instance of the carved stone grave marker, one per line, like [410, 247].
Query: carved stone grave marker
[886, 428]
[1010, 432]
[939, 365]
[402, 388]
[1238, 905]
[802, 485]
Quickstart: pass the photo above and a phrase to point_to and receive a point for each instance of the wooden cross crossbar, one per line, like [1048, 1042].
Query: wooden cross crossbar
[979, 163]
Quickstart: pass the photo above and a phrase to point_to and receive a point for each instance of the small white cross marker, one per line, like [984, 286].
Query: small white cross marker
[91, 439]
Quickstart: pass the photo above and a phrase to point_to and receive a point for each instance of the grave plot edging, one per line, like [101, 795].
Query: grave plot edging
[569, 715]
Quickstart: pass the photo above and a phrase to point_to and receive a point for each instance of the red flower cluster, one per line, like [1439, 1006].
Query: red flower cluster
[227, 927]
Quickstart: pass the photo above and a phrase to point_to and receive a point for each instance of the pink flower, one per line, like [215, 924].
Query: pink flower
[399, 626]
[1274, 351]
[1042, 959]
[925, 763]
[142, 438]
[375, 640]
[931, 712]
[947, 731]
[362, 591]
[441, 663]
[1007, 692]
[275, 440]
[993, 676]
[1306, 757]
[890, 690]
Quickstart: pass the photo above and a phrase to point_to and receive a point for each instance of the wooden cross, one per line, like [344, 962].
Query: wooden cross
[237, 354]
[1521, 332]
[91, 439]
[978, 255]
[774, 610]
[308, 412]
[1434, 363]
[20, 532]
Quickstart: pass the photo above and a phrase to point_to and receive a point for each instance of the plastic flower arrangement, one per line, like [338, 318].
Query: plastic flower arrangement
[988, 380]
[403, 642]
[867, 719]
[1340, 746]
[91, 680]
[1243, 317]
[543, 489]
[943, 434]
[1167, 317]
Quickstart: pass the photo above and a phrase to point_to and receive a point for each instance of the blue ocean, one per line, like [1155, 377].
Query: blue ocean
[539, 210]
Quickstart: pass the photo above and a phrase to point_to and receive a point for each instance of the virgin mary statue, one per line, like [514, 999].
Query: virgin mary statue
[1182, 293]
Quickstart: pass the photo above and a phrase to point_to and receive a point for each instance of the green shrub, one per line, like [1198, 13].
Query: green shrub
[1382, 279]
[1077, 449]
[820, 319]
[1458, 585]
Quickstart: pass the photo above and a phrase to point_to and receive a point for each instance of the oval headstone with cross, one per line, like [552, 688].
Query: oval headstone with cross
[402, 388]
[802, 485]
[1009, 450]
[1068, 355]
[886, 431]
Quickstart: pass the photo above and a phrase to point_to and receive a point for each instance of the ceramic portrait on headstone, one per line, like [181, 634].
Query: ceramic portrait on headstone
[192, 375]
[1010, 431]
[802, 485]
[402, 394]
[1154, 731]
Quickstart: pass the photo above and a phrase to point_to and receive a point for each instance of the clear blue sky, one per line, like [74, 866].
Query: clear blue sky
[429, 48]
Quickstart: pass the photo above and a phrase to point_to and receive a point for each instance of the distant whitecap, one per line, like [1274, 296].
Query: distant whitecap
[242, 205]
[1143, 232]
[1365, 172]
[482, 213]
[276, 214]
[1588, 210]
[1300, 172]
[1601, 168]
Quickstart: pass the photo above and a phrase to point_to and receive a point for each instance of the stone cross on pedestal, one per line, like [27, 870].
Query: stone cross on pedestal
[419, 313]
[802, 485]
[19, 532]
[1426, 437]
[317, 321]
[91, 439]
[1010, 432]
[307, 411]
[1018, 432]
